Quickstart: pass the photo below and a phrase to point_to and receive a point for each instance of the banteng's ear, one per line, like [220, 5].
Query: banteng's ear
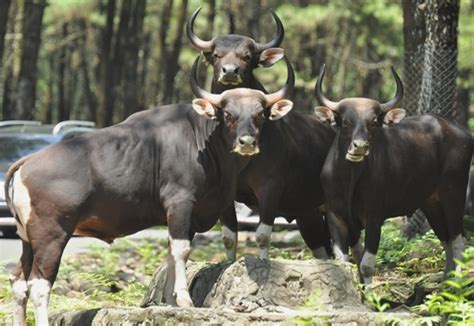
[280, 109]
[270, 56]
[204, 108]
[394, 116]
[325, 114]
[207, 57]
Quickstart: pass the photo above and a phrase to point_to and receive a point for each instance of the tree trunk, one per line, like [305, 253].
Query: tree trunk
[4, 8]
[63, 110]
[90, 99]
[9, 81]
[105, 112]
[172, 68]
[133, 45]
[162, 43]
[26, 91]
[430, 36]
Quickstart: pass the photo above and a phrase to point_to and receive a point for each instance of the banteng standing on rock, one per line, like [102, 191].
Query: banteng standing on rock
[381, 166]
[283, 180]
[175, 165]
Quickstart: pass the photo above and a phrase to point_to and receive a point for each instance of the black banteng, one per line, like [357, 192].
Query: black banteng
[164, 166]
[234, 57]
[383, 165]
[283, 180]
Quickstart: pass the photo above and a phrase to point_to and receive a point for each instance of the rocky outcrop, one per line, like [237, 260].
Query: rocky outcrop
[251, 284]
[219, 316]
[249, 292]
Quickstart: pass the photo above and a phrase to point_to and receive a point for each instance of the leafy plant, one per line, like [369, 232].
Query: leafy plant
[455, 304]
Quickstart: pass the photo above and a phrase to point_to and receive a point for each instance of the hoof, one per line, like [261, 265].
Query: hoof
[184, 300]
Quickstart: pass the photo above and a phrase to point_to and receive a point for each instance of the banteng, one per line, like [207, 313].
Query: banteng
[234, 57]
[382, 165]
[283, 180]
[176, 165]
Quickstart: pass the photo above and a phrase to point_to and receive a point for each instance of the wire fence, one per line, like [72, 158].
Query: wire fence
[430, 87]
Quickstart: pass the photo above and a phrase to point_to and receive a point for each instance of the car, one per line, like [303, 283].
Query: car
[19, 138]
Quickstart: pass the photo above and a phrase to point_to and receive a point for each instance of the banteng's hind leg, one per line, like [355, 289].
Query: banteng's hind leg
[315, 234]
[48, 240]
[18, 281]
[447, 232]
[453, 200]
[229, 232]
[179, 228]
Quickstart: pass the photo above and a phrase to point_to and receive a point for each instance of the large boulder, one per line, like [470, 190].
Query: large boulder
[253, 284]
[249, 292]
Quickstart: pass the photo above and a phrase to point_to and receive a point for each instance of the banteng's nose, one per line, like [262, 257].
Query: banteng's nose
[247, 140]
[230, 68]
[360, 143]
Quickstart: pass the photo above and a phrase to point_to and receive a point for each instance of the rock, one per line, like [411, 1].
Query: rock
[249, 292]
[251, 283]
[219, 316]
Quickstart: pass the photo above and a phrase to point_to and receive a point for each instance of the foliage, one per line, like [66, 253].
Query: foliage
[419, 255]
[455, 302]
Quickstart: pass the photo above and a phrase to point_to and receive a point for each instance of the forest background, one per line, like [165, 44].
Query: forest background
[106, 59]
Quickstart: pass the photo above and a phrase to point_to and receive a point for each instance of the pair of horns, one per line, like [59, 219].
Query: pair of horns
[271, 99]
[332, 105]
[206, 46]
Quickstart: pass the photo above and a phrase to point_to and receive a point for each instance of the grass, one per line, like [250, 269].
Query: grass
[118, 276]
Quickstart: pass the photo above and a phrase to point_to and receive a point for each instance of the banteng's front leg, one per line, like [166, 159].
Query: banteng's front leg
[179, 227]
[268, 201]
[229, 232]
[372, 240]
[339, 235]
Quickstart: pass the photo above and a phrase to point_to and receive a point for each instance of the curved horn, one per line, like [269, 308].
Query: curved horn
[398, 96]
[199, 92]
[319, 92]
[201, 45]
[259, 47]
[286, 90]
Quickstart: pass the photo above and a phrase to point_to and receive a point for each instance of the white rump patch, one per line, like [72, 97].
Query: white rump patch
[21, 204]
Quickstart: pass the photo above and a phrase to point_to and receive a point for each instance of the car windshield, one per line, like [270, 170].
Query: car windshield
[13, 147]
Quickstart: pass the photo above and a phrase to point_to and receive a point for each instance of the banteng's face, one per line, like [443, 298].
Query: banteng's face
[243, 111]
[233, 57]
[358, 119]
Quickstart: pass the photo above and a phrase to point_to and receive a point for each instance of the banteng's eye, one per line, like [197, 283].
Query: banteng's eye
[228, 116]
[373, 123]
[246, 57]
[217, 55]
[345, 122]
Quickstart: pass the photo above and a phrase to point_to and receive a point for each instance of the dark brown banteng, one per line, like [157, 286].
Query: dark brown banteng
[175, 165]
[382, 165]
[234, 57]
[282, 179]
